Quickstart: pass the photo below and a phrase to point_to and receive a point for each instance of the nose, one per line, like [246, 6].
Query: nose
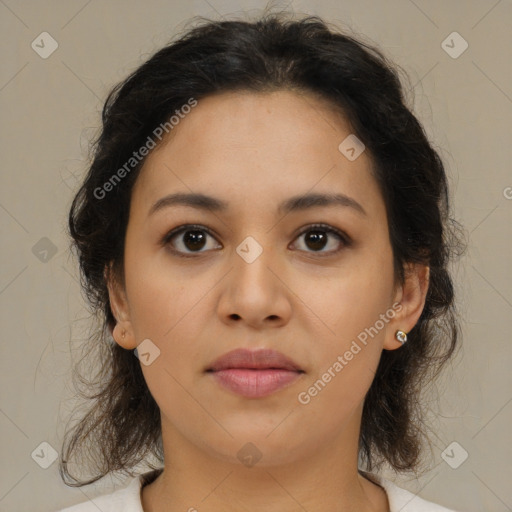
[255, 290]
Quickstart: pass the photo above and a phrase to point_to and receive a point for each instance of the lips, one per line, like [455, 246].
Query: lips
[254, 373]
[254, 359]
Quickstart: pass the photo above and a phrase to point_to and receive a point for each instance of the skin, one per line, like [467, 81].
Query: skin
[255, 150]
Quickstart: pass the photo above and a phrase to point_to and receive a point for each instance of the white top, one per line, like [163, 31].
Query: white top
[128, 499]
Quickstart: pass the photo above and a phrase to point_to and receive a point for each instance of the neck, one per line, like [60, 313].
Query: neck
[328, 479]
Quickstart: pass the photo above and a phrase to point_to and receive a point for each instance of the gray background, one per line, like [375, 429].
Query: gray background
[50, 111]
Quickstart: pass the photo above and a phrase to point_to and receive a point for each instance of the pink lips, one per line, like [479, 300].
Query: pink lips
[254, 374]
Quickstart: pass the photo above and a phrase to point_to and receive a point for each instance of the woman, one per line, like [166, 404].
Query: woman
[265, 231]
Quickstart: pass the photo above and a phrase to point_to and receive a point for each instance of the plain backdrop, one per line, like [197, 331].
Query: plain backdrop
[50, 110]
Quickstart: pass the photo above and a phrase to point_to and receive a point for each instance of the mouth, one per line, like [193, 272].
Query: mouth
[254, 374]
[260, 359]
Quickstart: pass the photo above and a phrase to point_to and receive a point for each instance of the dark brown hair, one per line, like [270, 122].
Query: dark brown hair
[122, 425]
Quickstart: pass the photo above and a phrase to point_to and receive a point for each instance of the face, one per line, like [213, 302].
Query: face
[254, 275]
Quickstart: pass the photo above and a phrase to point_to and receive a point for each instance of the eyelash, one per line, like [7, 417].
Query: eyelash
[345, 239]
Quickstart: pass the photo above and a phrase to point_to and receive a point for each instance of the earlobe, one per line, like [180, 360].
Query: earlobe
[124, 337]
[411, 297]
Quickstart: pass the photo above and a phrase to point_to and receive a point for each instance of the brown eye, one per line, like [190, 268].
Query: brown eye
[194, 239]
[188, 240]
[318, 237]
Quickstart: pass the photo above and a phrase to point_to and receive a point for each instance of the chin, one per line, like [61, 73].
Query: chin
[252, 447]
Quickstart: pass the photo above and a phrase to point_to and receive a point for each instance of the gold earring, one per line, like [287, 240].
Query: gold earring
[401, 336]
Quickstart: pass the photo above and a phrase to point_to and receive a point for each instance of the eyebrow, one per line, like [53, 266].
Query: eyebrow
[293, 204]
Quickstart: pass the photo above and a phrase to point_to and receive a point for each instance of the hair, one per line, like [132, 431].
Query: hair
[275, 52]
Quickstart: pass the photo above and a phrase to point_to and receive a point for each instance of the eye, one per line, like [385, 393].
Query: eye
[319, 236]
[194, 239]
[189, 239]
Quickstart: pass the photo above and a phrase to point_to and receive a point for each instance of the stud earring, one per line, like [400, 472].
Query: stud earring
[401, 336]
[123, 334]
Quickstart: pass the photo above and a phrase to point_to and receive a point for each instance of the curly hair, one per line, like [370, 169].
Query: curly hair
[122, 423]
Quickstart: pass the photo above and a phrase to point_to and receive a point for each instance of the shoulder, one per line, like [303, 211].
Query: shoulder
[402, 500]
[126, 499]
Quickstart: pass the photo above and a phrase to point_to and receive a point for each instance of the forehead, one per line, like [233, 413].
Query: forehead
[248, 147]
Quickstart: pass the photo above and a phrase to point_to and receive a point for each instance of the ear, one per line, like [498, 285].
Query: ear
[411, 296]
[120, 310]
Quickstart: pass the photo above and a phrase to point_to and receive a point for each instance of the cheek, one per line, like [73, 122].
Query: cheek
[348, 351]
[169, 307]
[350, 298]
[352, 313]
[174, 324]
[159, 294]
[170, 314]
